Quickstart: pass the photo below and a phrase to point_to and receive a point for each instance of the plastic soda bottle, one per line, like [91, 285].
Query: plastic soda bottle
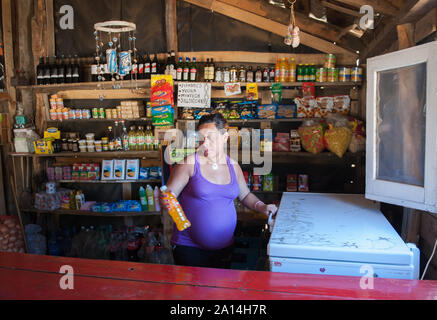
[176, 212]
[292, 72]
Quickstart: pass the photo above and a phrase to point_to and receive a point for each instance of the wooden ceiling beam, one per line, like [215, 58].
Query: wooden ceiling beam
[388, 33]
[354, 13]
[270, 26]
[381, 6]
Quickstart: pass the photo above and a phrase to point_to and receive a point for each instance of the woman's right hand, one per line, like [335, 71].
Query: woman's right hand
[164, 202]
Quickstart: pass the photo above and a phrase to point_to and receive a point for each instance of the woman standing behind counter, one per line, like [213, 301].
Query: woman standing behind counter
[206, 184]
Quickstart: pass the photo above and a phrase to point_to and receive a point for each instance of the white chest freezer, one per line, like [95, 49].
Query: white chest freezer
[338, 234]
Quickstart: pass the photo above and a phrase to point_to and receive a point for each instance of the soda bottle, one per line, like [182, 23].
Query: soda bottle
[175, 210]
[313, 71]
[300, 73]
[193, 70]
[292, 72]
[277, 70]
[306, 73]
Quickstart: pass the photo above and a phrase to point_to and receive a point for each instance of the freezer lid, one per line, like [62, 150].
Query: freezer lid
[340, 227]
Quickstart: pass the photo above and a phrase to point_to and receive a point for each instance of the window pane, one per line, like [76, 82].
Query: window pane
[400, 130]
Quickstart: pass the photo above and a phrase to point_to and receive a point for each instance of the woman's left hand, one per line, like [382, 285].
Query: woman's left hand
[267, 209]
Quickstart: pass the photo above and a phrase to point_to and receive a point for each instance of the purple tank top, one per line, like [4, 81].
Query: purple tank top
[210, 209]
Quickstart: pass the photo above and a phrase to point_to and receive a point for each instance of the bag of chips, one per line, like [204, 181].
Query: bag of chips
[342, 104]
[305, 107]
[247, 110]
[311, 135]
[337, 140]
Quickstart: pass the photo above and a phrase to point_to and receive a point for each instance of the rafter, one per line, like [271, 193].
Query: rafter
[269, 25]
[381, 6]
[354, 13]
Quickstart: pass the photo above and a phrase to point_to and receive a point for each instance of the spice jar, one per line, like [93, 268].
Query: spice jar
[64, 145]
[233, 74]
[76, 145]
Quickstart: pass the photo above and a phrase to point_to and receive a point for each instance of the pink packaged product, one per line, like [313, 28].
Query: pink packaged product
[51, 174]
[58, 173]
[66, 173]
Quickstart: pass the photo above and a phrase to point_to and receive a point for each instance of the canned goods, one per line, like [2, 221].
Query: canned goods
[78, 114]
[125, 63]
[102, 113]
[330, 61]
[53, 104]
[322, 75]
[71, 114]
[111, 60]
[344, 74]
[114, 113]
[53, 114]
[59, 114]
[95, 113]
[86, 114]
[357, 74]
[108, 114]
[65, 114]
[60, 102]
[332, 74]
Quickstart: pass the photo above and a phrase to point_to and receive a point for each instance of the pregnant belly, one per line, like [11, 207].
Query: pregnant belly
[214, 228]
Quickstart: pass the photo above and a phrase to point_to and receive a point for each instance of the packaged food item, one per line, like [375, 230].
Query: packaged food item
[311, 135]
[144, 173]
[308, 90]
[277, 92]
[322, 75]
[256, 182]
[295, 145]
[341, 104]
[233, 110]
[246, 110]
[281, 142]
[220, 106]
[107, 169]
[337, 140]
[358, 141]
[199, 113]
[188, 113]
[118, 206]
[252, 91]
[154, 173]
[268, 182]
[332, 74]
[97, 207]
[133, 206]
[119, 169]
[305, 107]
[162, 116]
[232, 89]
[176, 211]
[344, 74]
[132, 169]
[330, 61]
[323, 106]
[106, 207]
[303, 183]
[291, 183]
[357, 74]
[43, 146]
[266, 111]
[286, 111]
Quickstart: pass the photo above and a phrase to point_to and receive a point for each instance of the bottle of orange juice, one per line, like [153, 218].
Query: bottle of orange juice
[176, 212]
[292, 71]
[277, 70]
[283, 70]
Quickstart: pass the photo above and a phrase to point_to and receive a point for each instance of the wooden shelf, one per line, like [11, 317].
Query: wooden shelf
[110, 181]
[257, 120]
[98, 120]
[96, 214]
[105, 154]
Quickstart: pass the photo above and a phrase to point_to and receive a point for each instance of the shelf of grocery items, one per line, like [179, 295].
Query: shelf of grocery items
[97, 120]
[95, 214]
[104, 154]
[110, 181]
[142, 84]
[256, 120]
[304, 154]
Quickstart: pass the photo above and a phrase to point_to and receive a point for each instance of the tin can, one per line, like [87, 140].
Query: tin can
[322, 75]
[53, 104]
[114, 114]
[125, 63]
[344, 74]
[71, 114]
[60, 102]
[65, 114]
[86, 114]
[53, 114]
[108, 114]
[332, 74]
[95, 113]
[78, 114]
[101, 113]
[111, 60]
[357, 74]
[60, 114]
[330, 61]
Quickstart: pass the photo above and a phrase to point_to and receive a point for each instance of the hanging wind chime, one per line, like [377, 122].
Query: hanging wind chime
[119, 51]
[293, 32]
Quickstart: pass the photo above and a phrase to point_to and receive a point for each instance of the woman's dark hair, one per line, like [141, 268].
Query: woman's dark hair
[216, 118]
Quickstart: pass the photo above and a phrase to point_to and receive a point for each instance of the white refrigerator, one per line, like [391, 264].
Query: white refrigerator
[338, 234]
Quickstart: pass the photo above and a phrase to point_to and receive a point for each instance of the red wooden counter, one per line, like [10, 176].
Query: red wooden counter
[26, 276]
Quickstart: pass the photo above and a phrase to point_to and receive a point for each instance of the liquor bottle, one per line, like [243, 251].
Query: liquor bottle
[249, 75]
[258, 74]
[154, 65]
[193, 70]
[111, 139]
[61, 70]
[47, 71]
[94, 66]
[118, 142]
[272, 74]
[134, 70]
[226, 75]
[69, 71]
[53, 72]
[206, 71]
[218, 75]
[266, 75]
[140, 67]
[141, 139]
[180, 69]
[186, 74]
[167, 64]
[147, 66]
[173, 64]
[306, 73]
[40, 72]
[132, 139]
[242, 74]
[125, 137]
[76, 70]
[211, 70]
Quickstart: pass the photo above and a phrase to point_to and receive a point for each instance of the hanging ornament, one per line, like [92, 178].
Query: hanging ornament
[293, 32]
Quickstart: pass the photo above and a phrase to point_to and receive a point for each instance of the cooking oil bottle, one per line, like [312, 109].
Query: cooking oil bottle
[132, 139]
[292, 71]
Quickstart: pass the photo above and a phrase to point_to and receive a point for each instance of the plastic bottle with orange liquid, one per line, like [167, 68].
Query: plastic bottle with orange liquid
[175, 210]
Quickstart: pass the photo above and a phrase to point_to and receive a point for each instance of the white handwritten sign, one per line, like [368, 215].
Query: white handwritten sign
[194, 95]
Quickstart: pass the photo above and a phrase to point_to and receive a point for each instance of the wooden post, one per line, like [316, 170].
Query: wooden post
[171, 25]
[405, 35]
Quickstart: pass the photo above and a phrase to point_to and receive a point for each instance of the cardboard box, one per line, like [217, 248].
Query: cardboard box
[291, 183]
[107, 169]
[119, 169]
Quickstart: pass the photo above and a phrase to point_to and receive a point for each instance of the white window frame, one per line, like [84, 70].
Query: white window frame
[415, 197]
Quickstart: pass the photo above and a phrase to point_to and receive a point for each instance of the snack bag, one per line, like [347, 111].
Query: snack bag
[305, 107]
[199, 113]
[187, 114]
[246, 110]
[162, 116]
[337, 139]
[252, 91]
[308, 90]
[276, 92]
[324, 105]
[268, 182]
[342, 104]
[266, 111]
[233, 110]
[358, 141]
[221, 107]
[311, 135]
[286, 111]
